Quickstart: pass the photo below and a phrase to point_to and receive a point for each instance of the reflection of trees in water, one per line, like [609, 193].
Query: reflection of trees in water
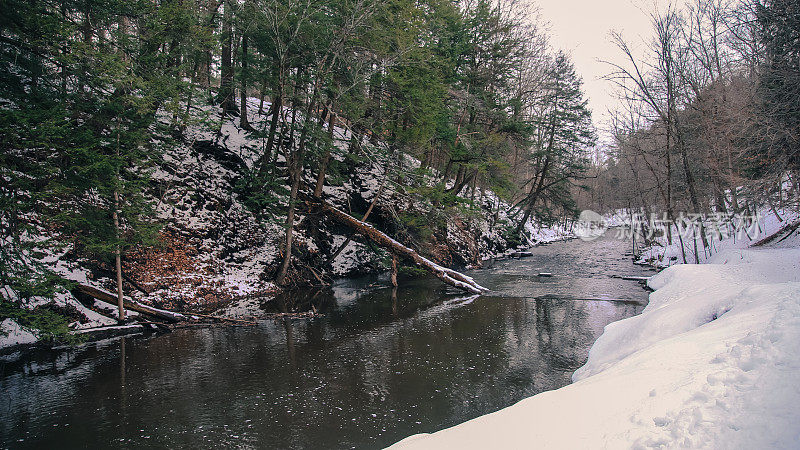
[305, 299]
[287, 327]
[567, 328]
[404, 361]
[562, 335]
[480, 356]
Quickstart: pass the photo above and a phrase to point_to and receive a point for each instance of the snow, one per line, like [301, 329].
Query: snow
[12, 334]
[351, 258]
[133, 326]
[216, 249]
[721, 238]
[711, 362]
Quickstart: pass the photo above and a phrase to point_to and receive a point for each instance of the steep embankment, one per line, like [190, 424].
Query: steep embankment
[217, 246]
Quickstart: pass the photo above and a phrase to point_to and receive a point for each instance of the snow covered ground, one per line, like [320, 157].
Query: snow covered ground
[737, 235]
[712, 362]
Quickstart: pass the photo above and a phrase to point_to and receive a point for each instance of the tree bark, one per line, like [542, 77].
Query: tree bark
[277, 105]
[296, 175]
[117, 249]
[108, 297]
[536, 191]
[244, 123]
[226, 64]
[118, 260]
[326, 158]
[447, 276]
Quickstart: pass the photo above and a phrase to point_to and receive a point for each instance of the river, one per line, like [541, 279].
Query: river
[373, 369]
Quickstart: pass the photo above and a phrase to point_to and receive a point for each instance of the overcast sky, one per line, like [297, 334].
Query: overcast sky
[582, 28]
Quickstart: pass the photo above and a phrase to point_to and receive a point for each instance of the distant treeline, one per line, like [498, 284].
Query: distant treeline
[712, 116]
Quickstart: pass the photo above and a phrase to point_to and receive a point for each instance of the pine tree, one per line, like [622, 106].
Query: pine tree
[564, 133]
[779, 29]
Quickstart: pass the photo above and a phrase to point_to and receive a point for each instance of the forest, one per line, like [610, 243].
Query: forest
[95, 94]
[710, 119]
[453, 115]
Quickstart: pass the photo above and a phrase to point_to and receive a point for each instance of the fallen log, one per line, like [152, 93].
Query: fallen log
[98, 333]
[521, 254]
[448, 276]
[222, 318]
[787, 229]
[634, 278]
[108, 297]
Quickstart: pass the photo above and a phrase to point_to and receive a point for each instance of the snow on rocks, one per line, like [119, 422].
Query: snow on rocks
[355, 257]
[711, 362]
[12, 334]
[215, 249]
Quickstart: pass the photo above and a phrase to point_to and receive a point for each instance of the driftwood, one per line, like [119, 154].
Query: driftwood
[634, 278]
[448, 276]
[228, 319]
[98, 333]
[108, 297]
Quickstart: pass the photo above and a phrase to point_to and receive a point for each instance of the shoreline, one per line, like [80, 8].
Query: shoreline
[713, 336]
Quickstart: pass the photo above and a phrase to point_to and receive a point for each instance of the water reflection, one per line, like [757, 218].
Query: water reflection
[381, 364]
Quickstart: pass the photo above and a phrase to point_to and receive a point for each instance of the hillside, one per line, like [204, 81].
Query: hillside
[213, 248]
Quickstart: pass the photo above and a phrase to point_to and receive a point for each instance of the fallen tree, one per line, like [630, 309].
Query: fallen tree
[785, 231]
[108, 297]
[366, 230]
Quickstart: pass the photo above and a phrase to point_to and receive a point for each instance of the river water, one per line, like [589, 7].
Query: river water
[375, 368]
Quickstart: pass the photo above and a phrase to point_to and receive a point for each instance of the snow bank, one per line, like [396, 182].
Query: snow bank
[712, 361]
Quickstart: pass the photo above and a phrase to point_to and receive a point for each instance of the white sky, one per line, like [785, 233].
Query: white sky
[583, 27]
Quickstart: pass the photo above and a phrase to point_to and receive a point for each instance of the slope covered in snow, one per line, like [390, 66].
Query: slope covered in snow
[712, 362]
[737, 232]
[215, 247]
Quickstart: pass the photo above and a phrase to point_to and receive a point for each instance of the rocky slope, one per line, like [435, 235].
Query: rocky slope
[214, 248]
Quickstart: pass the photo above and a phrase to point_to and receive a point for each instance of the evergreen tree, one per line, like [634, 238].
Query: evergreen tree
[779, 29]
[83, 82]
[564, 134]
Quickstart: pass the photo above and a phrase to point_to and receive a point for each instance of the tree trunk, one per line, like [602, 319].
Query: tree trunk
[277, 105]
[118, 260]
[691, 184]
[117, 249]
[226, 64]
[326, 158]
[448, 276]
[536, 191]
[261, 97]
[296, 175]
[243, 122]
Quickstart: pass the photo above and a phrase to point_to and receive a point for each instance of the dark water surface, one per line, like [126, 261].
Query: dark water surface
[373, 370]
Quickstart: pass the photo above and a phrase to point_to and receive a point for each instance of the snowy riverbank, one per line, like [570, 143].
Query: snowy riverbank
[712, 361]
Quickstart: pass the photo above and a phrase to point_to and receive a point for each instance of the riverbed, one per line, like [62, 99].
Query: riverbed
[375, 365]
